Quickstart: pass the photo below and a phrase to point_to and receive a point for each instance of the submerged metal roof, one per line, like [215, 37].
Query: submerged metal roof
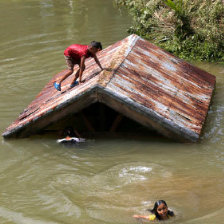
[145, 83]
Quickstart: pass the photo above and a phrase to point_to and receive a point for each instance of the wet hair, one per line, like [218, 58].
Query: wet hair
[68, 131]
[96, 45]
[156, 205]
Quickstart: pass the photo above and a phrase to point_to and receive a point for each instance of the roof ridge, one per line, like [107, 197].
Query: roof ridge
[117, 59]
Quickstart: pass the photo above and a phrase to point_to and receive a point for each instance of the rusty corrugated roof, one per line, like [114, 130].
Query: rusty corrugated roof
[144, 83]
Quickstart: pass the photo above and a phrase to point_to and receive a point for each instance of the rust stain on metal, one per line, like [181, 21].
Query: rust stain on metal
[118, 57]
[169, 93]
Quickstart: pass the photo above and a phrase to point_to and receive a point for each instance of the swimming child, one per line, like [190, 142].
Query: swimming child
[76, 54]
[70, 138]
[160, 212]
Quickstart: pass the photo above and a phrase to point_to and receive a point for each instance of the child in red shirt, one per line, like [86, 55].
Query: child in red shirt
[76, 54]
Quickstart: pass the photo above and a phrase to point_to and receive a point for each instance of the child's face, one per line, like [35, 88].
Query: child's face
[162, 210]
[93, 50]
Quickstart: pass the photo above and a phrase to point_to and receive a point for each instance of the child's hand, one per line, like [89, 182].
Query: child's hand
[140, 217]
[136, 216]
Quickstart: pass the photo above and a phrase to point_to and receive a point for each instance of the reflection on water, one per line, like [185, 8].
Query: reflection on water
[103, 181]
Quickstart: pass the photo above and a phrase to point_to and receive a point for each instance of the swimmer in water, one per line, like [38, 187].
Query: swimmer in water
[159, 212]
[70, 138]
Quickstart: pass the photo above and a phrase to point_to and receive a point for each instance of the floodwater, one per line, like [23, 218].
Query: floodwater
[103, 181]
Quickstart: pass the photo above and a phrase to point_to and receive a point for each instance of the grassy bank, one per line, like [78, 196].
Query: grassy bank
[189, 29]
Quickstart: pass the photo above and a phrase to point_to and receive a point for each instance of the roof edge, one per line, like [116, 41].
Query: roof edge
[179, 131]
[19, 130]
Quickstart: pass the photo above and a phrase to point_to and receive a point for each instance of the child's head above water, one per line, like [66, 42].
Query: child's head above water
[68, 131]
[161, 210]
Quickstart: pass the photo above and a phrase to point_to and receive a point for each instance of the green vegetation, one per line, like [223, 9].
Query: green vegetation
[186, 28]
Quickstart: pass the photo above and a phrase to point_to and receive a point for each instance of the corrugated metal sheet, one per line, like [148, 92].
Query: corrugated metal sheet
[144, 83]
[172, 91]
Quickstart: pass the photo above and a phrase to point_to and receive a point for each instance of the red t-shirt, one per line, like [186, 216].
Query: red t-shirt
[76, 51]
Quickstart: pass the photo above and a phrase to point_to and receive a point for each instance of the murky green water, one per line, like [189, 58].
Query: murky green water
[102, 181]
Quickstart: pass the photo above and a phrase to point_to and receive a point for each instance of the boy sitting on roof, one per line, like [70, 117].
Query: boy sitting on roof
[76, 54]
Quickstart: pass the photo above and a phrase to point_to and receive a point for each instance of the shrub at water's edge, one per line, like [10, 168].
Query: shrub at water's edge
[186, 28]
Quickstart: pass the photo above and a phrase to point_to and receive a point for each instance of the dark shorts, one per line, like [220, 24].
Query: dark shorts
[70, 62]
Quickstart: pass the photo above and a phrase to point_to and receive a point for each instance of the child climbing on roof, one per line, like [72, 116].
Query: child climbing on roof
[159, 212]
[76, 54]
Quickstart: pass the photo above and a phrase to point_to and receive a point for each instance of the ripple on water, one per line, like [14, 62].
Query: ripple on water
[116, 187]
[210, 217]
[135, 173]
[10, 216]
[58, 203]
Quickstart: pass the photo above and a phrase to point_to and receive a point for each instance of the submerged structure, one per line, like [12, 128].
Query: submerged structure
[142, 82]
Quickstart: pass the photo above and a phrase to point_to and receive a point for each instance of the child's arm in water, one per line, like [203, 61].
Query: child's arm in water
[147, 217]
